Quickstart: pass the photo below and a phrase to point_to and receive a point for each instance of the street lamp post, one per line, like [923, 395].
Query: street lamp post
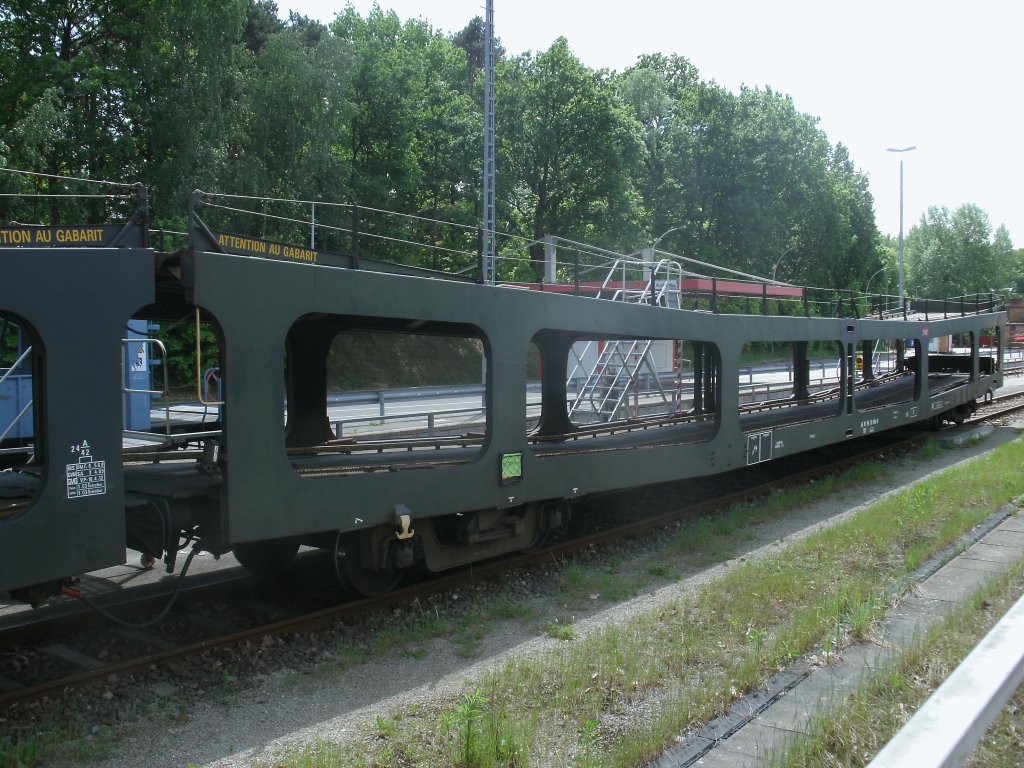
[779, 261]
[871, 279]
[867, 288]
[662, 236]
[647, 256]
[901, 151]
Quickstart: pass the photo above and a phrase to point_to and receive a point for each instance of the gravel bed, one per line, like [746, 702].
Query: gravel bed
[28, 666]
[240, 706]
[112, 645]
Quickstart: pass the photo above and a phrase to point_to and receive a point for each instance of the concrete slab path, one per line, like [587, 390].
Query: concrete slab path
[762, 723]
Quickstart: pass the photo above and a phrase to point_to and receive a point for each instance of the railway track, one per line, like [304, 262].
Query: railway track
[999, 407]
[58, 648]
[51, 648]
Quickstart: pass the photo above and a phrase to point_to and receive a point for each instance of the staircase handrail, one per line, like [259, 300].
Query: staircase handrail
[16, 364]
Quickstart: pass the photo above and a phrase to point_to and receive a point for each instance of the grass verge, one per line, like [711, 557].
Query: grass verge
[617, 695]
[852, 732]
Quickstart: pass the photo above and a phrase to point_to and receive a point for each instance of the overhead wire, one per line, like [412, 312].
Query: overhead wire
[273, 216]
[67, 178]
[265, 199]
[38, 194]
[345, 205]
[338, 205]
[744, 275]
[583, 249]
[332, 228]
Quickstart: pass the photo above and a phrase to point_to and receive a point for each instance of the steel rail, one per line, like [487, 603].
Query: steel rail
[998, 407]
[462, 577]
[316, 619]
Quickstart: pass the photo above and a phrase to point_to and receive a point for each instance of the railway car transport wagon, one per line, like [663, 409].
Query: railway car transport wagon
[172, 397]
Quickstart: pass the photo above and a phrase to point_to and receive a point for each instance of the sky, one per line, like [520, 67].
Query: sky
[944, 77]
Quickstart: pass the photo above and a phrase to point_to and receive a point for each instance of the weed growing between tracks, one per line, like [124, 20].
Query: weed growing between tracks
[698, 543]
[851, 732]
[619, 694]
[73, 731]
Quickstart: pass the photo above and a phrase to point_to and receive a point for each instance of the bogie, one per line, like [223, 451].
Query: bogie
[358, 571]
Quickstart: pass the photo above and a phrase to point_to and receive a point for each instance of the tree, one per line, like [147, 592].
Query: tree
[261, 22]
[567, 149]
[471, 39]
[949, 254]
[749, 179]
[449, 140]
[387, 114]
[414, 135]
[1018, 261]
[884, 280]
[297, 93]
[656, 92]
[838, 227]
[193, 88]
[69, 76]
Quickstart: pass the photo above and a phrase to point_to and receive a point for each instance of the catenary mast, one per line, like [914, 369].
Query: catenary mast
[488, 233]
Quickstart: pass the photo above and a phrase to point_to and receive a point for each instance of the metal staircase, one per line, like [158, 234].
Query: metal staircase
[621, 366]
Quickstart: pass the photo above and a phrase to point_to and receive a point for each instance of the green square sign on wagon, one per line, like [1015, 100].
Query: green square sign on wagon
[511, 467]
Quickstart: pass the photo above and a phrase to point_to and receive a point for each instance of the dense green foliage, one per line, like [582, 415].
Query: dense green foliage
[227, 97]
[938, 250]
[360, 360]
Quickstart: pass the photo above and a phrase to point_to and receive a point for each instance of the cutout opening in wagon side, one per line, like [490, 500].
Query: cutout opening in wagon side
[608, 393]
[20, 413]
[383, 394]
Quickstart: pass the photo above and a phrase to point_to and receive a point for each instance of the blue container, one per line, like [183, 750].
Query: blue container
[138, 376]
[15, 394]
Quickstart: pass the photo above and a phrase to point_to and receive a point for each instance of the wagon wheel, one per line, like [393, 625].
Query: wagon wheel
[353, 577]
